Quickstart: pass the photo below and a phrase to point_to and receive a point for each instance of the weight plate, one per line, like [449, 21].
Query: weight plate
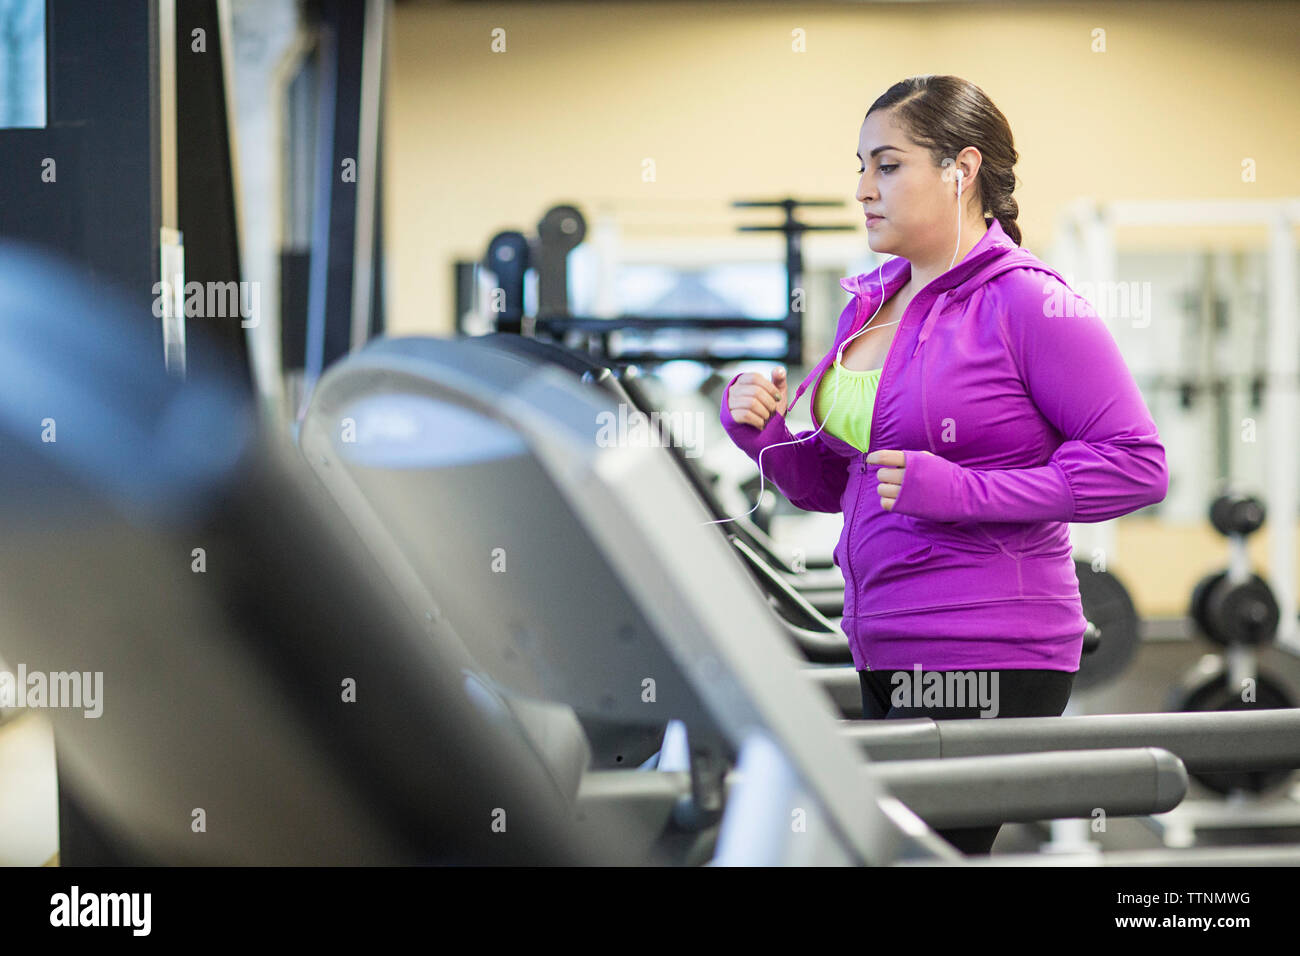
[1237, 514]
[1221, 514]
[1246, 613]
[1199, 596]
[1106, 603]
[1211, 693]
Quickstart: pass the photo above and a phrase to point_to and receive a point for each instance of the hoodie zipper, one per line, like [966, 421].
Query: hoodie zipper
[862, 456]
[875, 418]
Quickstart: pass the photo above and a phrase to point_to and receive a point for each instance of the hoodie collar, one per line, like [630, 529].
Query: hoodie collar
[898, 271]
[994, 253]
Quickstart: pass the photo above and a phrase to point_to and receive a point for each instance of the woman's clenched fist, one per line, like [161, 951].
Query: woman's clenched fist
[753, 397]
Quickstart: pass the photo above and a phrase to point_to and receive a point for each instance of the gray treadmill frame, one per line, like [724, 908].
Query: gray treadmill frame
[724, 641]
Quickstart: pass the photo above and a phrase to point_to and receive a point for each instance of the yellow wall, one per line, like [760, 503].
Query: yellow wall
[1160, 561]
[479, 142]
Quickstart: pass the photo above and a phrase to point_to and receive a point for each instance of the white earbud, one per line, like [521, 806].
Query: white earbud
[961, 174]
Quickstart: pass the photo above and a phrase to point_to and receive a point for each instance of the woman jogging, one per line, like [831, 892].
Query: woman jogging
[972, 406]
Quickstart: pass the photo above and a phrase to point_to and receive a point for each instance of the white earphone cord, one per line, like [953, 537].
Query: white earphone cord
[838, 354]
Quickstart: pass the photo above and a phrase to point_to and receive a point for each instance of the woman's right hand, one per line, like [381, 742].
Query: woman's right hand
[753, 397]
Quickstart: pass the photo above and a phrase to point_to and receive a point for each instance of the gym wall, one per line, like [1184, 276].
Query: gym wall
[480, 141]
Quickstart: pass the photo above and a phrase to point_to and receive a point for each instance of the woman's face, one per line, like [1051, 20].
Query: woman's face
[900, 183]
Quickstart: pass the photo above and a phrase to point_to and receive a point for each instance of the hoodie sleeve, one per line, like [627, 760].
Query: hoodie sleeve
[808, 473]
[1111, 461]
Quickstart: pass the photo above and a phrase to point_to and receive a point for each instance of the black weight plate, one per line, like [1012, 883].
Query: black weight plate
[1197, 609]
[1213, 694]
[1106, 603]
[1248, 515]
[1243, 614]
[565, 226]
[508, 253]
[1221, 513]
[1237, 514]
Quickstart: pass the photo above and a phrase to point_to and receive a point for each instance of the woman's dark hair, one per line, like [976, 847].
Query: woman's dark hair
[945, 114]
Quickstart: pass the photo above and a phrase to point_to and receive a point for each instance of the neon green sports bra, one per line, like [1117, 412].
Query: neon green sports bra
[850, 419]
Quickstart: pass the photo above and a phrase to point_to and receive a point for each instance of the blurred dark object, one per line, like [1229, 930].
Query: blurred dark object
[151, 536]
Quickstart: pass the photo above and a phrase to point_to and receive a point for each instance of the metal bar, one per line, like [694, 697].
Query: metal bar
[1284, 406]
[1211, 742]
[1202, 212]
[167, 110]
[317, 316]
[557, 324]
[225, 23]
[372, 58]
[705, 358]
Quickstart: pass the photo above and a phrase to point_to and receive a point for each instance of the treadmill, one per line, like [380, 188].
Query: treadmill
[582, 575]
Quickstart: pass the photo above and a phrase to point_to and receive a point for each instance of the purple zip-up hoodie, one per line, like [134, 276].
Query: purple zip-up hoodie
[1016, 414]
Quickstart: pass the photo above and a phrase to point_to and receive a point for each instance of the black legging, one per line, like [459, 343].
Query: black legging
[1020, 693]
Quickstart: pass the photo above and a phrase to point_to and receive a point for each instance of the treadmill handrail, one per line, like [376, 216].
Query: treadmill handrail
[1219, 741]
[1051, 785]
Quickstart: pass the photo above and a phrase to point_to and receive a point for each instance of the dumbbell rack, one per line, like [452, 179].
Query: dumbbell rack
[1236, 610]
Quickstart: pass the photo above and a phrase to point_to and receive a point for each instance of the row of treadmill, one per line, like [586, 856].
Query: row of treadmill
[441, 623]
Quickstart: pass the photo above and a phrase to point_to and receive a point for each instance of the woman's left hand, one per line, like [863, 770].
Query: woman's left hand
[890, 479]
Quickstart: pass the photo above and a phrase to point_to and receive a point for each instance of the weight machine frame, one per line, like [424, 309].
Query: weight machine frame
[1085, 245]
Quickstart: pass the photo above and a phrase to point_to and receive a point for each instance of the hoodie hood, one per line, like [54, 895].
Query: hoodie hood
[993, 255]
